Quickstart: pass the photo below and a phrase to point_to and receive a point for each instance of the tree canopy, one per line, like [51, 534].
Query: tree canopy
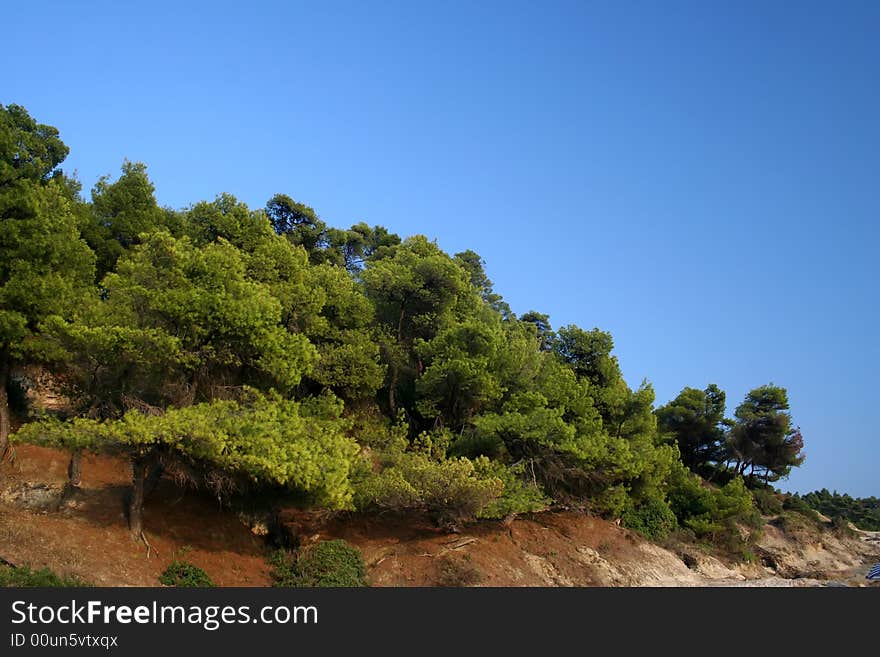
[261, 348]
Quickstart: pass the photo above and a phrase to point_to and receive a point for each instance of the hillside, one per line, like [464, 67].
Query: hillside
[87, 536]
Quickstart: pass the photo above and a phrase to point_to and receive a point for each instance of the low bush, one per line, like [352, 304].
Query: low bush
[841, 527]
[798, 525]
[725, 516]
[652, 518]
[519, 495]
[185, 575]
[23, 576]
[769, 503]
[798, 505]
[332, 563]
[456, 572]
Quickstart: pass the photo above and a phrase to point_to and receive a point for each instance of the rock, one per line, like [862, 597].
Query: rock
[34, 497]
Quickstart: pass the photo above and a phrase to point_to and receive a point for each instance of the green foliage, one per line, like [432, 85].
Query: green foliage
[22, 576]
[28, 150]
[768, 502]
[652, 517]
[864, 513]
[185, 575]
[841, 527]
[763, 439]
[450, 490]
[521, 494]
[177, 324]
[264, 348]
[802, 526]
[726, 515]
[302, 445]
[120, 212]
[798, 505]
[45, 267]
[694, 422]
[333, 563]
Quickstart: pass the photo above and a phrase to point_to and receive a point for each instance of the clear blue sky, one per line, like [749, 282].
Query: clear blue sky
[701, 178]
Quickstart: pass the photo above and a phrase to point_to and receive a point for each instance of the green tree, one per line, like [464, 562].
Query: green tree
[541, 322]
[352, 248]
[226, 218]
[417, 292]
[460, 376]
[179, 324]
[300, 224]
[341, 325]
[694, 421]
[233, 445]
[474, 265]
[588, 353]
[120, 212]
[45, 266]
[763, 440]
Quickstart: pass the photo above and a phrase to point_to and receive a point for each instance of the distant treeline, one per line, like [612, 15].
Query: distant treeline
[262, 350]
[863, 512]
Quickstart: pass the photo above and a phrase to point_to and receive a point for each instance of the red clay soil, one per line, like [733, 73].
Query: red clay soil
[541, 550]
[89, 537]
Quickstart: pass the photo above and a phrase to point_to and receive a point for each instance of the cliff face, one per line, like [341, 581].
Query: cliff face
[86, 535]
[569, 549]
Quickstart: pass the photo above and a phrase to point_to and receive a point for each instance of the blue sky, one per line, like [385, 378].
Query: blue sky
[699, 178]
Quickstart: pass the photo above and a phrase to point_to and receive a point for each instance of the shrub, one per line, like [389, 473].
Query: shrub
[474, 444]
[798, 525]
[841, 527]
[767, 501]
[23, 576]
[332, 563]
[185, 575]
[798, 505]
[456, 572]
[611, 502]
[652, 518]
[450, 490]
[722, 515]
[518, 495]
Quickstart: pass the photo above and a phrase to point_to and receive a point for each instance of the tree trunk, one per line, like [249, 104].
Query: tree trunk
[395, 369]
[153, 479]
[391, 386]
[5, 420]
[139, 468]
[74, 469]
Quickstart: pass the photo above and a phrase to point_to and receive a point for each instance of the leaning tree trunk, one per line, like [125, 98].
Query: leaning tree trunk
[139, 467]
[5, 422]
[74, 469]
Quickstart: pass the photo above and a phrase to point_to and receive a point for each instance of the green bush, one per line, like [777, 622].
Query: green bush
[767, 501]
[798, 525]
[798, 505]
[723, 515]
[185, 575]
[652, 518]
[332, 563]
[23, 576]
[518, 495]
[474, 444]
[420, 478]
[611, 502]
[864, 513]
[841, 527]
